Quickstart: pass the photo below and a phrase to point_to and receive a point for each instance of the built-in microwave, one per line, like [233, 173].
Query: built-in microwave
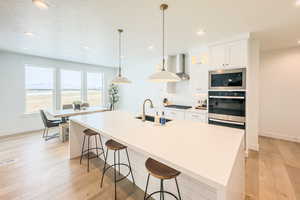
[232, 79]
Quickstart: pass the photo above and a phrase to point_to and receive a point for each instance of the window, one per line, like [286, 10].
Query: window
[94, 89]
[70, 86]
[39, 84]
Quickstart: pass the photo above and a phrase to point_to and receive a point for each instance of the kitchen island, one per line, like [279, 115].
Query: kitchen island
[211, 158]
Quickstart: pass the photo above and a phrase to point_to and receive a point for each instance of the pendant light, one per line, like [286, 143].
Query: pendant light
[120, 79]
[164, 75]
[42, 4]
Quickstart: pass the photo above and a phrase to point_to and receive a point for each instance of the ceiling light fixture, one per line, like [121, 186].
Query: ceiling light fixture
[164, 75]
[29, 34]
[120, 79]
[297, 3]
[201, 32]
[41, 4]
[151, 47]
[298, 41]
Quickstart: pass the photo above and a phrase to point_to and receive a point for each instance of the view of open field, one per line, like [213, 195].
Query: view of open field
[37, 99]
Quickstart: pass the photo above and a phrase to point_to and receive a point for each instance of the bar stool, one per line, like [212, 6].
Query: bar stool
[162, 172]
[89, 133]
[116, 147]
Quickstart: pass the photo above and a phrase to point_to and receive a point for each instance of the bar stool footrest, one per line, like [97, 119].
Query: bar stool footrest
[117, 164]
[166, 192]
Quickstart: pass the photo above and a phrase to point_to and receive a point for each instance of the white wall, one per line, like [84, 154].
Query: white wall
[280, 94]
[12, 89]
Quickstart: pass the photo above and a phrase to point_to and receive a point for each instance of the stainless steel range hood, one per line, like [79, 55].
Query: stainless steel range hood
[180, 67]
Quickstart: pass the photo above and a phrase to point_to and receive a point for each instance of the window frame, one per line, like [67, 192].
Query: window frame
[53, 87]
[57, 86]
[102, 89]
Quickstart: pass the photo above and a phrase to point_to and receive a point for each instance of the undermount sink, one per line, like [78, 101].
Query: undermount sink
[150, 118]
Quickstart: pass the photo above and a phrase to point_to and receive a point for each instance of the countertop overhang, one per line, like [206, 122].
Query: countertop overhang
[203, 151]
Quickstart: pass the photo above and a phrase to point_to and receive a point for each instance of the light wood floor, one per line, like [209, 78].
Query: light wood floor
[33, 169]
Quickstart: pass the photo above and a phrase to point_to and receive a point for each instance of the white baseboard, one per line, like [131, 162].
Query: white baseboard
[279, 136]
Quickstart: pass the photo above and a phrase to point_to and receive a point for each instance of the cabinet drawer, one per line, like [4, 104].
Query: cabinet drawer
[199, 117]
[174, 114]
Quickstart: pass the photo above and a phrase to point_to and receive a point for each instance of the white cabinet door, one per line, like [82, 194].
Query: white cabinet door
[199, 73]
[198, 117]
[174, 114]
[218, 56]
[237, 54]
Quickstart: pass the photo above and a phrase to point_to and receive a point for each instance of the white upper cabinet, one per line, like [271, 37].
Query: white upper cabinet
[218, 56]
[237, 54]
[229, 55]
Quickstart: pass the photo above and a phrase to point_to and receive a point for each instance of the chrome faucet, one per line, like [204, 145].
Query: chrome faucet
[151, 106]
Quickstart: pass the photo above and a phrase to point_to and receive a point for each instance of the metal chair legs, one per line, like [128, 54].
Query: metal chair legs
[88, 150]
[117, 165]
[162, 192]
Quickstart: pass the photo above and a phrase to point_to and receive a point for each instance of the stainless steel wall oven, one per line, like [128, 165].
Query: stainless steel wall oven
[232, 79]
[227, 108]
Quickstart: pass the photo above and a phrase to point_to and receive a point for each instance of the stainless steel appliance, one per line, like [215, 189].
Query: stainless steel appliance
[232, 79]
[227, 108]
[178, 107]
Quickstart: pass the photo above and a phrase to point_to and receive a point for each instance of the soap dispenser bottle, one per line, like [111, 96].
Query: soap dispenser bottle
[162, 119]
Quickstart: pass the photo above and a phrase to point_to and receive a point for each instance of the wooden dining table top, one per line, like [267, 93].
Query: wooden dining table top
[72, 112]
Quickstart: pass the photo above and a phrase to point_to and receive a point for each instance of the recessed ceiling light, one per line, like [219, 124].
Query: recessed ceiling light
[151, 47]
[30, 34]
[297, 3]
[41, 4]
[201, 32]
[298, 41]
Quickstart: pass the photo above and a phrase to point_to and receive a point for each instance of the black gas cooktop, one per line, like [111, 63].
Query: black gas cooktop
[178, 106]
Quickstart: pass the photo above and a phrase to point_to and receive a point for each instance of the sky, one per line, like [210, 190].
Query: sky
[43, 78]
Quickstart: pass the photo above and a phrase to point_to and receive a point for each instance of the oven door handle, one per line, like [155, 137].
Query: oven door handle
[227, 122]
[226, 97]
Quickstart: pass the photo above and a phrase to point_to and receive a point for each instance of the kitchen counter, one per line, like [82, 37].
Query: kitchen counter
[212, 156]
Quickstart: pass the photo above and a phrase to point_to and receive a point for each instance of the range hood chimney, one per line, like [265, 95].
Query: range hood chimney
[180, 67]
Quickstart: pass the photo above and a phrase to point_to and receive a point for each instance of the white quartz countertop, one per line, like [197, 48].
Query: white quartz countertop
[202, 151]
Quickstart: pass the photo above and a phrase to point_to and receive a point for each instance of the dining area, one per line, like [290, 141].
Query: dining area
[58, 119]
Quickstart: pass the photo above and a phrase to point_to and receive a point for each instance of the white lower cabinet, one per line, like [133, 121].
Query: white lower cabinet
[174, 114]
[196, 116]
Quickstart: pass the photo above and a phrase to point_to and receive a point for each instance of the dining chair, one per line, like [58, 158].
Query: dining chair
[49, 124]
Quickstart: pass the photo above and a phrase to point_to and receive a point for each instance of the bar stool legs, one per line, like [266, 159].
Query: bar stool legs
[116, 147]
[89, 133]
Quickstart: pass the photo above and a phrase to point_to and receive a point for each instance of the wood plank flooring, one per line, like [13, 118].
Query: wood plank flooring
[32, 169]
[274, 172]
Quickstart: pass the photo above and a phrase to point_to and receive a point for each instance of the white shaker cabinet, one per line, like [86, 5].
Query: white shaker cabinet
[229, 55]
[197, 116]
[174, 114]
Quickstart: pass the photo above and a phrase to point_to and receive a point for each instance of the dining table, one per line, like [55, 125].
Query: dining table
[64, 114]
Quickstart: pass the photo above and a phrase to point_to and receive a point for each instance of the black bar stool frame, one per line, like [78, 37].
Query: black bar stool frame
[83, 151]
[115, 165]
[161, 191]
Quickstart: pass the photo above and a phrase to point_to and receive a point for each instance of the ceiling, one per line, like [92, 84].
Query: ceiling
[86, 30]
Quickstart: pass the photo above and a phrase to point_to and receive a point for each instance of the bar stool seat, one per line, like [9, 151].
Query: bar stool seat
[160, 170]
[90, 132]
[114, 145]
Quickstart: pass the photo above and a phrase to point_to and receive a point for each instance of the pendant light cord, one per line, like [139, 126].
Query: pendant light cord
[120, 32]
[163, 49]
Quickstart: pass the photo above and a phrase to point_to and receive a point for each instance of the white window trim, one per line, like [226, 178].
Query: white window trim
[57, 87]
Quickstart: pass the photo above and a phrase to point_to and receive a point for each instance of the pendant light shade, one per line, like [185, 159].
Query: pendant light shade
[120, 79]
[42, 4]
[164, 76]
